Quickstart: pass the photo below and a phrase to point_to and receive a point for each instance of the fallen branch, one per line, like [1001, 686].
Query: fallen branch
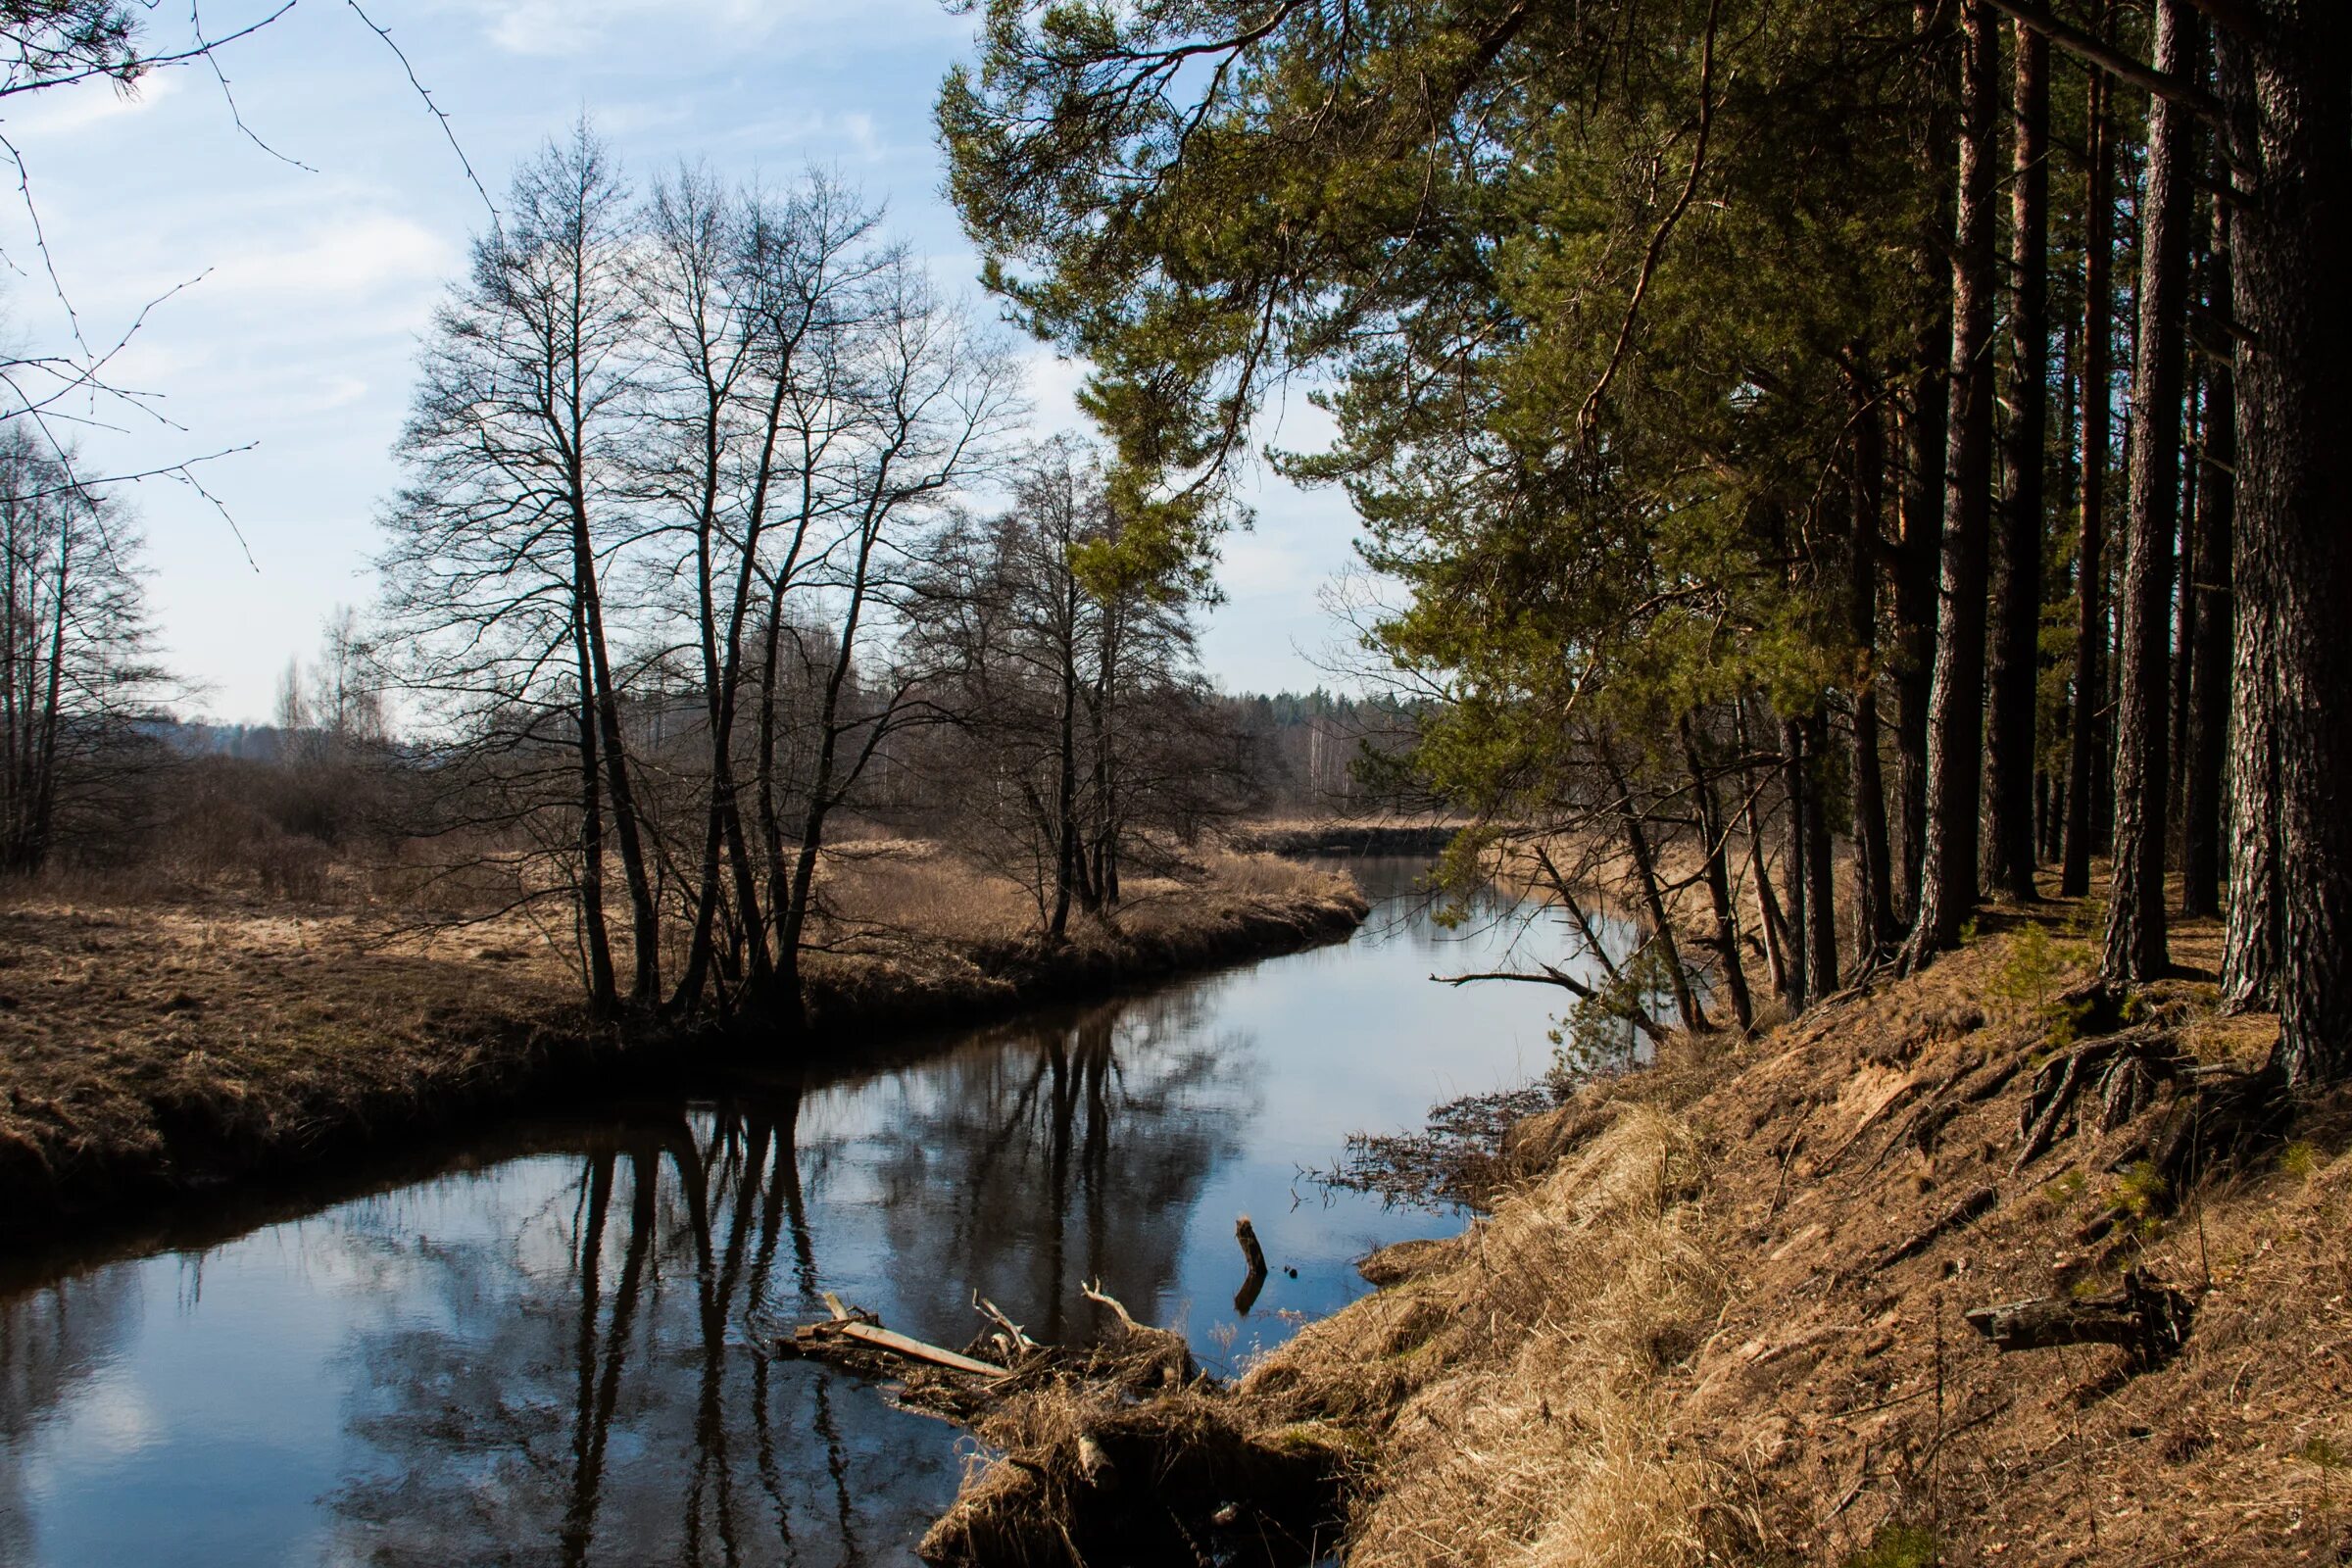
[814, 1338]
[1096, 1294]
[1015, 1337]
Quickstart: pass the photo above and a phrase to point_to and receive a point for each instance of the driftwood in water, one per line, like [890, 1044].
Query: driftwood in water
[1098, 1443]
[1146, 1355]
[2147, 1319]
[1137, 1361]
[858, 1341]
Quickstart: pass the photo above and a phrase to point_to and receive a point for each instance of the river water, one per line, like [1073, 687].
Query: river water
[547, 1350]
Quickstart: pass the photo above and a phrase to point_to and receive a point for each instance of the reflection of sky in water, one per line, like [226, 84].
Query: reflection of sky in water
[548, 1355]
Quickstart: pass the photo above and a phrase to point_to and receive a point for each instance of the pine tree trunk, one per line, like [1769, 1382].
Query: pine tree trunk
[2288, 89]
[2135, 906]
[1821, 897]
[2188, 628]
[2014, 681]
[2090, 616]
[1798, 954]
[1956, 700]
[1926, 433]
[1716, 850]
[2250, 948]
[2208, 734]
[1769, 918]
[1875, 930]
[1653, 900]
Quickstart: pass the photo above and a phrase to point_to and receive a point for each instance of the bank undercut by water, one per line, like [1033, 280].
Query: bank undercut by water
[156, 1049]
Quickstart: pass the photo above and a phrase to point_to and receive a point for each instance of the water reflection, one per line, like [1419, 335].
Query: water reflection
[595, 1388]
[592, 1382]
[557, 1353]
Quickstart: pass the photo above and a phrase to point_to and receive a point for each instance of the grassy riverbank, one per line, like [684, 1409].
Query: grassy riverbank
[156, 1045]
[1345, 835]
[1717, 1319]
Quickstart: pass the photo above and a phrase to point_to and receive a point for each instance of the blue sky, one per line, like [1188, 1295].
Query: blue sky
[315, 283]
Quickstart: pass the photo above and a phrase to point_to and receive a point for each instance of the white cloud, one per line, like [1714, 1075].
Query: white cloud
[359, 255]
[561, 27]
[55, 112]
[571, 27]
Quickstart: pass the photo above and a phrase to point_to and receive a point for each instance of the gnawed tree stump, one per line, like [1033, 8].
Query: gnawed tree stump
[2149, 1320]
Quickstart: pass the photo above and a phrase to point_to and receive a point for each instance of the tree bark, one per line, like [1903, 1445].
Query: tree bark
[1718, 880]
[596, 944]
[2287, 83]
[1798, 954]
[1653, 900]
[1820, 896]
[2015, 678]
[1875, 930]
[2135, 906]
[2209, 580]
[2090, 616]
[1767, 910]
[1956, 700]
[1926, 433]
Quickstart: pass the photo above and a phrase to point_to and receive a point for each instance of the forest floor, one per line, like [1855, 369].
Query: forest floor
[1716, 1314]
[159, 1042]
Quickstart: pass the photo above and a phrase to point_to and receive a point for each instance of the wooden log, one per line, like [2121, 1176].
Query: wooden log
[846, 1324]
[1094, 1464]
[882, 1339]
[2147, 1319]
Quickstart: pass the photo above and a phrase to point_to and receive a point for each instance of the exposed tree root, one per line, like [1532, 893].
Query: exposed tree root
[2122, 1070]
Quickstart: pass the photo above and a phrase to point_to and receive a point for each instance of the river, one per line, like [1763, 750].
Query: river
[548, 1349]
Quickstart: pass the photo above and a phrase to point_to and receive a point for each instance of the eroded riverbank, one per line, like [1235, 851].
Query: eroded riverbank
[158, 1056]
[570, 1315]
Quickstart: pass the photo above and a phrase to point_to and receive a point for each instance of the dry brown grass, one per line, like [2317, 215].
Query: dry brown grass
[1707, 1329]
[153, 1036]
[913, 935]
[145, 1047]
[1522, 1368]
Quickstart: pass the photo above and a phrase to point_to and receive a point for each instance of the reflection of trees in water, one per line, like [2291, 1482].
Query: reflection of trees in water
[610, 1406]
[589, 1388]
[1073, 1149]
[52, 1340]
